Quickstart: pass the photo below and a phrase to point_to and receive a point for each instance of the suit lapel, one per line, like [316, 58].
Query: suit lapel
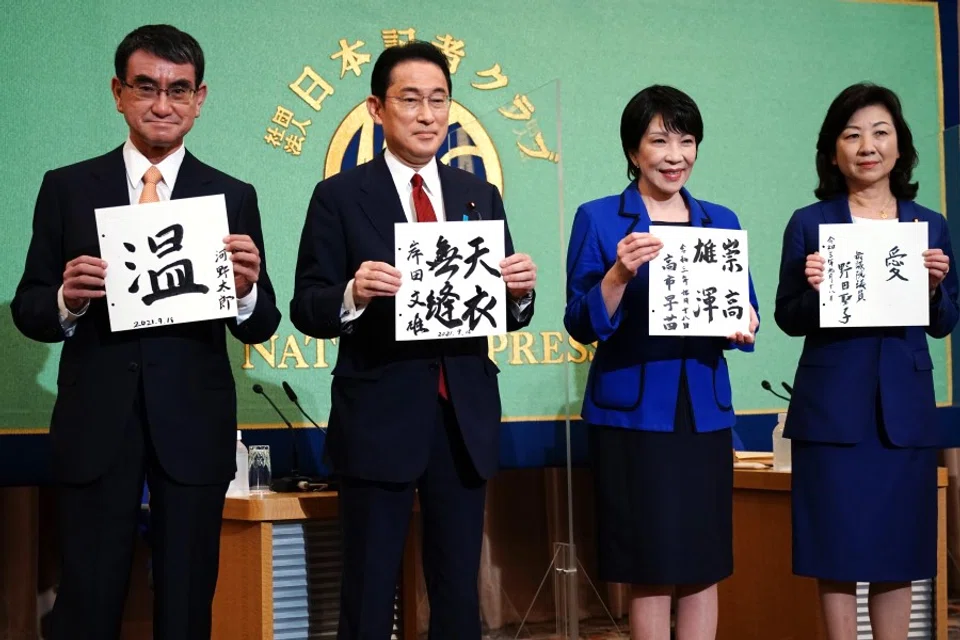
[457, 206]
[633, 211]
[836, 211]
[379, 199]
[108, 187]
[193, 179]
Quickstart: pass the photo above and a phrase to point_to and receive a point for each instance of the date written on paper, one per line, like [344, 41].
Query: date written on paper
[152, 322]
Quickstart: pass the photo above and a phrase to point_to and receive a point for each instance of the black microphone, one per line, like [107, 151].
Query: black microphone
[788, 388]
[294, 482]
[293, 398]
[766, 385]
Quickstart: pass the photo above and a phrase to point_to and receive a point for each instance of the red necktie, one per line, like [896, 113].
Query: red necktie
[425, 213]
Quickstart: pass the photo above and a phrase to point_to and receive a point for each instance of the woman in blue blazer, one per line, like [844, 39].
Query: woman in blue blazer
[862, 417]
[660, 408]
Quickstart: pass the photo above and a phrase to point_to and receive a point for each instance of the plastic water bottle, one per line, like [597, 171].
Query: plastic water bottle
[240, 485]
[781, 445]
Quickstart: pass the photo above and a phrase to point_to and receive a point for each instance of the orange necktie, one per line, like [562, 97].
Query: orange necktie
[425, 213]
[150, 180]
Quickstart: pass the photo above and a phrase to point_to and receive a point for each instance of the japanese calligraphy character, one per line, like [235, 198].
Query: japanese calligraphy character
[733, 309]
[417, 274]
[416, 325]
[894, 261]
[414, 253]
[451, 48]
[670, 323]
[731, 249]
[668, 263]
[708, 298]
[173, 243]
[705, 251]
[443, 263]
[669, 302]
[415, 300]
[225, 301]
[669, 281]
[392, 37]
[440, 306]
[499, 79]
[474, 313]
[307, 93]
[350, 59]
[474, 258]
[175, 279]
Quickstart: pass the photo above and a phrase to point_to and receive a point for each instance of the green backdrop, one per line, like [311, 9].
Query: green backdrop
[762, 73]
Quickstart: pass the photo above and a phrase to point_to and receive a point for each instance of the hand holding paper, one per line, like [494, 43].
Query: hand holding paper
[246, 262]
[937, 264]
[814, 270]
[742, 338]
[374, 279]
[520, 274]
[633, 252]
[83, 279]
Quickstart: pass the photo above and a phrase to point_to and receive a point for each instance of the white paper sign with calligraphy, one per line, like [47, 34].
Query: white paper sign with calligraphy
[700, 283]
[450, 280]
[873, 275]
[166, 263]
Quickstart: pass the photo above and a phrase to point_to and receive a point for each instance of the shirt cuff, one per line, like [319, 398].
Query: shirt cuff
[518, 308]
[246, 305]
[68, 319]
[349, 310]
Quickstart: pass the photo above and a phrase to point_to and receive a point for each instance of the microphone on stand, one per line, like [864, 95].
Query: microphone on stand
[291, 394]
[788, 388]
[294, 482]
[769, 387]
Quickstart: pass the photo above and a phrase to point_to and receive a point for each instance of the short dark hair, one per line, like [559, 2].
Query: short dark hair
[678, 111]
[851, 100]
[163, 41]
[413, 50]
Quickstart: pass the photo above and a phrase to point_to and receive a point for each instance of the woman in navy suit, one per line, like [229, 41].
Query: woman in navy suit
[862, 417]
[659, 408]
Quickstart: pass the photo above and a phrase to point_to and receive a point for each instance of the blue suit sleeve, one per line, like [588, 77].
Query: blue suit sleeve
[797, 312]
[586, 316]
[943, 306]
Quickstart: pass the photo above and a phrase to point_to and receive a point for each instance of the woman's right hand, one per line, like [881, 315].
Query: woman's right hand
[814, 270]
[633, 252]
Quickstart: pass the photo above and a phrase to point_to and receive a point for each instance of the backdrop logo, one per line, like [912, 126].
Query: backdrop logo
[358, 139]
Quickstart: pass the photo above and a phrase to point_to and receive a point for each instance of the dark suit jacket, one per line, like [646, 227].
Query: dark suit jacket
[188, 385]
[384, 392]
[841, 370]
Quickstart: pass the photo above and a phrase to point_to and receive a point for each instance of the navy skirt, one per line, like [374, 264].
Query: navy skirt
[865, 512]
[664, 502]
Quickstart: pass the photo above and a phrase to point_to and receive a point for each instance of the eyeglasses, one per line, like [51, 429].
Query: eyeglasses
[147, 91]
[411, 104]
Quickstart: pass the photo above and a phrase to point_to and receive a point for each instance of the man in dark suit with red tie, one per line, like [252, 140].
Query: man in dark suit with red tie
[405, 416]
[156, 403]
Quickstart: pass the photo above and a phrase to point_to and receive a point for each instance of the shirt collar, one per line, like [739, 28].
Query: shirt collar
[137, 165]
[402, 174]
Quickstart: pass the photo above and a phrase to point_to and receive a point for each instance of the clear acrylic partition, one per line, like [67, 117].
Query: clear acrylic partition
[532, 579]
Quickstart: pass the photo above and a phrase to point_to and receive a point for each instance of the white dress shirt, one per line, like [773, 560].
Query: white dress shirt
[136, 165]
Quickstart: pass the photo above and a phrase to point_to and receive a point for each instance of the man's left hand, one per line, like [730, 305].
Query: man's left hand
[246, 262]
[520, 274]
